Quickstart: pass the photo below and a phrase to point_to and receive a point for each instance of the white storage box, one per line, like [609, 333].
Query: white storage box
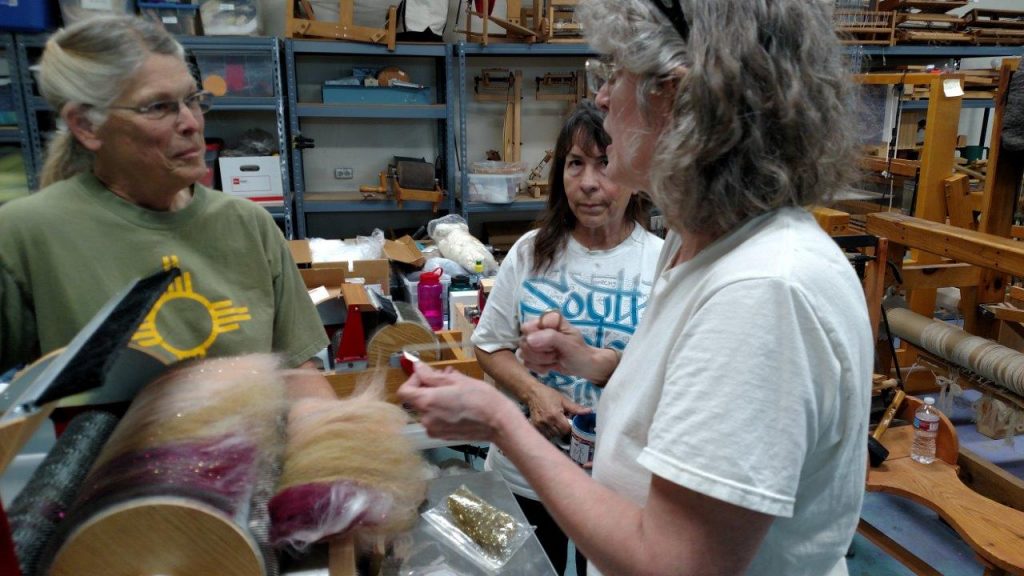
[76, 10]
[257, 178]
[495, 188]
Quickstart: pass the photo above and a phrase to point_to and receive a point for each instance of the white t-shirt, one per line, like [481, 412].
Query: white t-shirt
[749, 381]
[603, 293]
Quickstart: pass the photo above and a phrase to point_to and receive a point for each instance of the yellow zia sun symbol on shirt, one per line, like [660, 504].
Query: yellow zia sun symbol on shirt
[224, 316]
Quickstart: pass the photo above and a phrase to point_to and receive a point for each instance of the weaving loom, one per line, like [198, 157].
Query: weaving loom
[975, 509]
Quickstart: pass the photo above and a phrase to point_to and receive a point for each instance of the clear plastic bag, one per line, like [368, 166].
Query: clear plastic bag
[361, 248]
[451, 234]
[486, 535]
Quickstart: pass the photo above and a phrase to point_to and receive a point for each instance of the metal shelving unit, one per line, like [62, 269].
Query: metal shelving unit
[18, 133]
[449, 63]
[441, 111]
[266, 47]
[13, 134]
[928, 51]
[463, 50]
[32, 104]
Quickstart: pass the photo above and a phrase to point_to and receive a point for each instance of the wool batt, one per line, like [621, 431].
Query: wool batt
[347, 468]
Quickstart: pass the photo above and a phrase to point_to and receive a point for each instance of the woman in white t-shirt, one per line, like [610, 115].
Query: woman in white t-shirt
[731, 431]
[592, 260]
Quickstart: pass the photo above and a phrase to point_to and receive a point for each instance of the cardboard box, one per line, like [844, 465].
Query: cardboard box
[327, 281]
[328, 287]
[404, 250]
[257, 178]
[369, 272]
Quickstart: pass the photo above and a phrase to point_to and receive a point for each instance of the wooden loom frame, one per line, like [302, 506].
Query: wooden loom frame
[934, 166]
[521, 24]
[943, 194]
[343, 29]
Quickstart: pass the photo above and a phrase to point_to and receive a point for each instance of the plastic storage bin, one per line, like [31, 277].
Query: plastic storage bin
[230, 17]
[495, 182]
[494, 188]
[8, 117]
[175, 18]
[26, 16]
[236, 74]
[76, 10]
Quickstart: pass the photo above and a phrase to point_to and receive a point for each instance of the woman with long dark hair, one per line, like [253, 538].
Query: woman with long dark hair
[592, 260]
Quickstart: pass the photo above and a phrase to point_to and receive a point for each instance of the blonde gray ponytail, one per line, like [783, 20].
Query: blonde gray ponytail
[88, 64]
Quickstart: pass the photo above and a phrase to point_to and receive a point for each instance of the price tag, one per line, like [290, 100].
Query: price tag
[107, 5]
[169, 19]
[951, 87]
[225, 7]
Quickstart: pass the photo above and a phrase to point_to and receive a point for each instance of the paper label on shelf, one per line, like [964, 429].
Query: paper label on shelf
[225, 7]
[107, 5]
[169, 19]
[951, 87]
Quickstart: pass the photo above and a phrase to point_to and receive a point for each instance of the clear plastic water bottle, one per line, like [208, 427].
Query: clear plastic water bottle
[428, 298]
[926, 428]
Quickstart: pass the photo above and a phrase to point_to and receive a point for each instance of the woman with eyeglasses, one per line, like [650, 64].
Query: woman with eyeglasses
[731, 432]
[590, 258]
[121, 200]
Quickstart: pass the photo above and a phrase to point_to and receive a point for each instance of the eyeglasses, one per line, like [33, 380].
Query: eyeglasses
[674, 12]
[599, 73]
[197, 102]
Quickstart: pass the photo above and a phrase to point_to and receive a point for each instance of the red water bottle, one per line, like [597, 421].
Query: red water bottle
[428, 298]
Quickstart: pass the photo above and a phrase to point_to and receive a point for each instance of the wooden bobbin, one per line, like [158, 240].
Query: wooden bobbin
[410, 330]
[159, 535]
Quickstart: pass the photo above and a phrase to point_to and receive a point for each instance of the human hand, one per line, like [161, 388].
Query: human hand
[550, 411]
[552, 343]
[454, 406]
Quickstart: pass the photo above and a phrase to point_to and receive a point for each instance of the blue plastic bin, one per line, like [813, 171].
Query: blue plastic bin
[27, 15]
[334, 94]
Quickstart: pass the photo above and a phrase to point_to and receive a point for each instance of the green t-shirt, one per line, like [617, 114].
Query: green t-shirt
[65, 250]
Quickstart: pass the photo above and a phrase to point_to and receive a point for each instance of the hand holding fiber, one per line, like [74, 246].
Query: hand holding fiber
[347, 467]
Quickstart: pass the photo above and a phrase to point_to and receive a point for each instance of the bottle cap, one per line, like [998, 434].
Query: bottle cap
[929, 400]
[432, 277]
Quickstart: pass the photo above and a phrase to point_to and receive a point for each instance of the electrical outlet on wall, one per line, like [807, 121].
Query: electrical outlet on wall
[342, 173]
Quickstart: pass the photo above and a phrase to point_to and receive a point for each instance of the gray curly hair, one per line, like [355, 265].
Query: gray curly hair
[763, 117]
[90, 63]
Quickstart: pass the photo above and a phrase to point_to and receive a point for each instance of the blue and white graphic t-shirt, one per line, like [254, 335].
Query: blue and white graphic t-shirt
[603, 293]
